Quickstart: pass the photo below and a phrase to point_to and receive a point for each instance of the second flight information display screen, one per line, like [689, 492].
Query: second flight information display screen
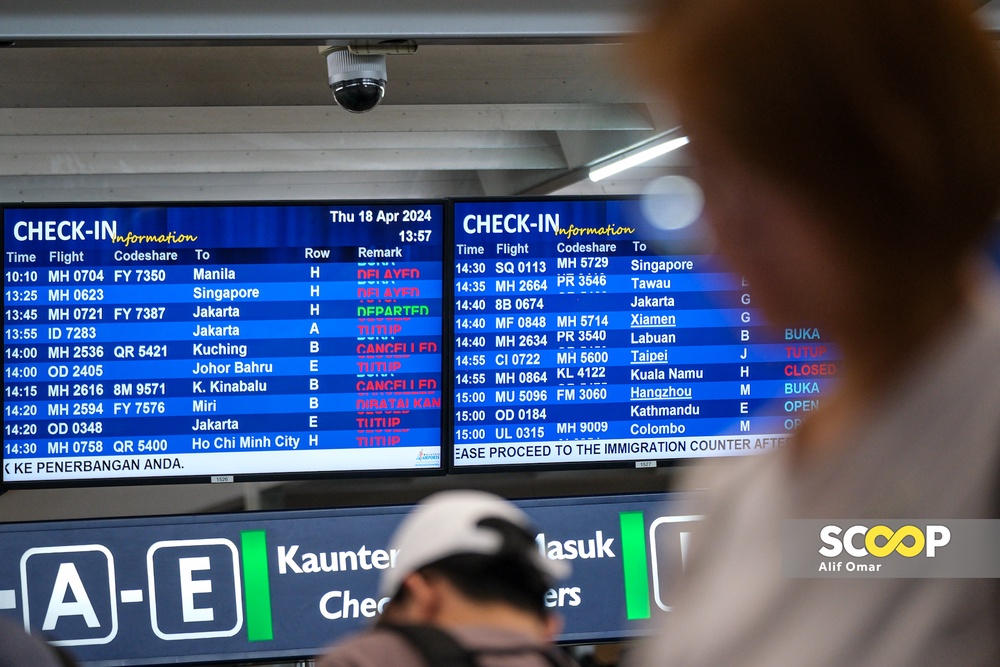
[584, 334]
[161, 342]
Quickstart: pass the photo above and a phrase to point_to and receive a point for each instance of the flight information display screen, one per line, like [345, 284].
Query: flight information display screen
[143, 343]
[586, 333]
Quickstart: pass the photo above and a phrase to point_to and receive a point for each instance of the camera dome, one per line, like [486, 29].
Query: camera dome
[357, 81]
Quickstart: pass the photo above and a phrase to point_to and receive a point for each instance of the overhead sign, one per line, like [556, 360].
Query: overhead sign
[286, 584]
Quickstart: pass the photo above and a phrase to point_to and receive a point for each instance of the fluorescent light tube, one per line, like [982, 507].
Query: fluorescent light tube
[636, 159]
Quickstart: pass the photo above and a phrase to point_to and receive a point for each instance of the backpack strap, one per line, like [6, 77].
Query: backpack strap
[437, 647]
[555, 656]
[440, 649]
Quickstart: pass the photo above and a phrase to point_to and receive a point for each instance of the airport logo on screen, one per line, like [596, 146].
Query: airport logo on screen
[142, 593]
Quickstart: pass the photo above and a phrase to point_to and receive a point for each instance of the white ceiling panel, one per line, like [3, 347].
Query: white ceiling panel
[76, 120]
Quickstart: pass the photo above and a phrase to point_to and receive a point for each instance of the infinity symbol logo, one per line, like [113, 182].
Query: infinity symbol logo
[881, 540]
[894, 541]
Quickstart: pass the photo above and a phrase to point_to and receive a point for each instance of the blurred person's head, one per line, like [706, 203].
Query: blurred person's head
[18, 648]
[469, 558]
[849, 151]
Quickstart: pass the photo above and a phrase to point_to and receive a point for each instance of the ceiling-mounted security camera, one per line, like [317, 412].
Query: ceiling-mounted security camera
[357, 81]
[357, 73]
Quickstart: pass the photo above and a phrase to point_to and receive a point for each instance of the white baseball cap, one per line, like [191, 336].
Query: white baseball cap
[448, 524]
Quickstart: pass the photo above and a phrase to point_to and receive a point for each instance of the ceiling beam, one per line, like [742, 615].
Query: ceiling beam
[250, 161]
[307, 186]
[65, 22]
[391, 118]
[316, 21]
[22, 145]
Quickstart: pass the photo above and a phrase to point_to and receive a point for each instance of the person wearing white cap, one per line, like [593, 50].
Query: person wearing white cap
[467, 589]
